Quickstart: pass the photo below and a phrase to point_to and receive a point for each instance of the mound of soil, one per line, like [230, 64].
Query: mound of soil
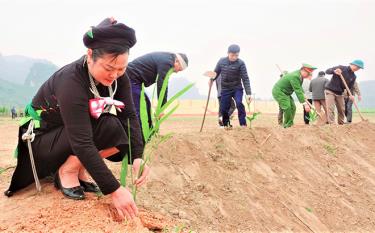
[302, 179]
[49, 211]
[299, 179]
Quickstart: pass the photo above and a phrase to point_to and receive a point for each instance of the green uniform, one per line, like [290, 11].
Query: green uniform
[282, 92]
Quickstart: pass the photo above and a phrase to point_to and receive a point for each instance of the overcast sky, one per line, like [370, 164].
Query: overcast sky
[323, 33]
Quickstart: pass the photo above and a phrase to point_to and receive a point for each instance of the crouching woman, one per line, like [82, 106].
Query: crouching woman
[81, 115]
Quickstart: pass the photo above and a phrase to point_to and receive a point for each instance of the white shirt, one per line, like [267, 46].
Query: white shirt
[306, 87]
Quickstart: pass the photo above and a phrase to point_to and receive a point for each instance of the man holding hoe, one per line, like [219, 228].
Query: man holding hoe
[234, 79]
[335, 89]
[283, 89]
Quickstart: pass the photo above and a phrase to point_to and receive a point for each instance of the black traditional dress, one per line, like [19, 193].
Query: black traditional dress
[66, 127]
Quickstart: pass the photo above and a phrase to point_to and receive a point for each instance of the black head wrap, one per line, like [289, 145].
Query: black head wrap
[109, 33]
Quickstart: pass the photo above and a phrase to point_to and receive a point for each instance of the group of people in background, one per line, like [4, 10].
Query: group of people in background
[320, 93]
[324, 94]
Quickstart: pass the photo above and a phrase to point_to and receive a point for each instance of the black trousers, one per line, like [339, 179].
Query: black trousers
[52, 148]
[348, 110]
[231, 109]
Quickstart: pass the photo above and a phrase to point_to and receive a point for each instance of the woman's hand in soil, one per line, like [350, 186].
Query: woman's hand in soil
[124, 203]
[146, 170]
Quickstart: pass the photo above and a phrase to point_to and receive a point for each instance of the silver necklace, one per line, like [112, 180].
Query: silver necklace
[95, 91]
[93, 88]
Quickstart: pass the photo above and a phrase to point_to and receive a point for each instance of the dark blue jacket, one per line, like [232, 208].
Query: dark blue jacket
[336, 85]
[233, 75]
[146, 68]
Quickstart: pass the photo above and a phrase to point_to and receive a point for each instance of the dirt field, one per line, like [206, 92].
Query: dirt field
[268, 179]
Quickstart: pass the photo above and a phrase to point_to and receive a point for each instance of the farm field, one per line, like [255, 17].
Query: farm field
[264, 179]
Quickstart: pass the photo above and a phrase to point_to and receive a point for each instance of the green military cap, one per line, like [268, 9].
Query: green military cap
[308, 68]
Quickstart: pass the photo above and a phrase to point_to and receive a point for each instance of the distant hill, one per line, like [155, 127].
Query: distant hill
[15, 68]
[20, 78]
[39, 73]
[12, 94]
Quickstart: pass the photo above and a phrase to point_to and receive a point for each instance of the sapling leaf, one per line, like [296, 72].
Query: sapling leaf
[144, 115]
[252, 117]
[313, 116]
[163, 92]
[157, 118]
[166, 116]
[178, 94]
[124, 171]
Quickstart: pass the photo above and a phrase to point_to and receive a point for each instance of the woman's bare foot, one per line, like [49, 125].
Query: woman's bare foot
[67, 181]
[68, 176]
[82, 175]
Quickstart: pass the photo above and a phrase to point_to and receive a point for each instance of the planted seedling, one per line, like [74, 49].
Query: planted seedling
[313, 116]
[151, 131]
[252, 117]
